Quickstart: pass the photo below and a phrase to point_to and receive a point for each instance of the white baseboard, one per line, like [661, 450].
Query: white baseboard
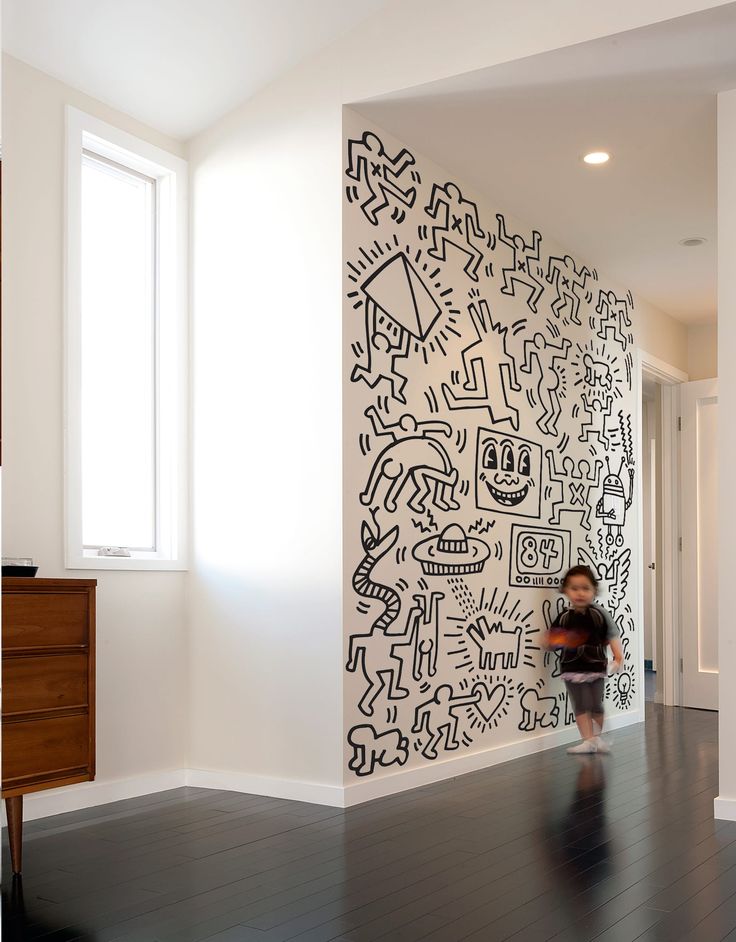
[724, 809]
[395, 782]
[313, 792]
[90, 794]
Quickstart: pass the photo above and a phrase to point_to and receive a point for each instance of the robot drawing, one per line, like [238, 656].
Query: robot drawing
[613, 504]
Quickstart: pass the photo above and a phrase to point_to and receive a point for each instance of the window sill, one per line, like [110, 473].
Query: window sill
[126, 563]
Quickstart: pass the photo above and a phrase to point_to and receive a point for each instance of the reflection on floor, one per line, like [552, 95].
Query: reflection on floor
[551, 846]
[650, 684]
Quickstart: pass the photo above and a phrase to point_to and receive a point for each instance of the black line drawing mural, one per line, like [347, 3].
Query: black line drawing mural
[494, 695]
[492, 699]
[495, 644]
[575, 484]
[625, 621]
[375, 548]
[508, 474]
[371, 748]
[598, 381]
[538, 556]
[437, 716]
[378, 173]
[412, 458]
[622, 688]
[424, 627]
[406, 310]
[456, 553]
[381, 666]
[375, 652]
[596, 426]
[551, 658]
[399, 308]
[568, 282]
[451, 553]
[538, 712]
[568, 712]
[615, 322]
[507, 643]
[627, 440]
[489, 370]
[614, 502]
[524, 264]
[382, 354]
[597, 372]
[457, 225]
[545, 355]
[613, 575]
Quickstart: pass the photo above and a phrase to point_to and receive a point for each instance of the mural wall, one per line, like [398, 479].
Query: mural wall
[489, 446]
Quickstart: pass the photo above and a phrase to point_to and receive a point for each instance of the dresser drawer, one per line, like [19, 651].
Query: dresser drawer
[45, 749]
[46, 619]
[44, 682]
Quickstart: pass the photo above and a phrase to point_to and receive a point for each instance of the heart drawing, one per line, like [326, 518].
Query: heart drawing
[489, 702]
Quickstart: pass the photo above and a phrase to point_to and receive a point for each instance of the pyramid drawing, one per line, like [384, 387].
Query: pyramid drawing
[400, 293]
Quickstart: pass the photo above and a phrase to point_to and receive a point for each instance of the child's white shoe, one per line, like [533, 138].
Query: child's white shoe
[601, 745]
[586, 746]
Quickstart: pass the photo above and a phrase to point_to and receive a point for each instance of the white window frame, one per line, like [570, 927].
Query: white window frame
[85, 132]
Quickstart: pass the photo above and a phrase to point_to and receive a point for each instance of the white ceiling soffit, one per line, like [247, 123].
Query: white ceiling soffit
[517, 133]
[176, 65]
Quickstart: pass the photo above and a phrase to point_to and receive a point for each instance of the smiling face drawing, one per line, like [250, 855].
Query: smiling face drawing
[508, 474]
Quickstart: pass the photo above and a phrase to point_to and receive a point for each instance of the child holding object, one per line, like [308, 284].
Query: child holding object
[583, 633]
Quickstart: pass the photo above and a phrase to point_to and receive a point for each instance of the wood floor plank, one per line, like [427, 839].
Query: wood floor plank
[540, 848]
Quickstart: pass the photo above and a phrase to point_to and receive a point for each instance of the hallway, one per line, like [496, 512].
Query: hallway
[613, 848]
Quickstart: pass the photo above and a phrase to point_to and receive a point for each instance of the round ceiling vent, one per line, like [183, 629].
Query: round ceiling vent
[693, 241]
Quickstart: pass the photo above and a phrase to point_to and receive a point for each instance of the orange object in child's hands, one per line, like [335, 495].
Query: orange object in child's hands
[566, 638]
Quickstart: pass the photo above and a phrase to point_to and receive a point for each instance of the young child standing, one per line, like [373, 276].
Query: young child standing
[583, 633]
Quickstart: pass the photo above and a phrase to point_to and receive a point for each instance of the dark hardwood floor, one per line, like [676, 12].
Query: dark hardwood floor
[614, 848]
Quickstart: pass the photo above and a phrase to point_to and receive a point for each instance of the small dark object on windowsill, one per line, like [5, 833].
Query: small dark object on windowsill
[19, 567]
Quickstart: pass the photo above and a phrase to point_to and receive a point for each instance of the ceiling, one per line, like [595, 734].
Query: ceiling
[517, 132]
[176, 65]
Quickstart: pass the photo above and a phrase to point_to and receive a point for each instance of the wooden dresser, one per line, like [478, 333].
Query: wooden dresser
[48, 690]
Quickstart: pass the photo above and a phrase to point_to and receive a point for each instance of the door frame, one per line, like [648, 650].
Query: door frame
[669, 378]
[699, 685]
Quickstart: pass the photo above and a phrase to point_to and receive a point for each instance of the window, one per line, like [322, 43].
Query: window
[126, 351]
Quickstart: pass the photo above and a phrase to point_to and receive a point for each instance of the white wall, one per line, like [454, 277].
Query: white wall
[265, 589]
[264, 597]
[702, 351]
[726, 802]
[266, 192]
[438, 366]
[141, 636]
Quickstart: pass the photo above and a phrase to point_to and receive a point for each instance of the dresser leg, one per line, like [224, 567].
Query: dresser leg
[14, 811]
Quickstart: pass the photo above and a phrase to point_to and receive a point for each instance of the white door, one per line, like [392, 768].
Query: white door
[699, 410]
[649, 497]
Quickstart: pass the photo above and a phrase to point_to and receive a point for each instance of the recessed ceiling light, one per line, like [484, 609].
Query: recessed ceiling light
[693, 241]
[597, 157]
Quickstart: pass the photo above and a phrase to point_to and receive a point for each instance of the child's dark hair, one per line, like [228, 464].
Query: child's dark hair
[579, 571]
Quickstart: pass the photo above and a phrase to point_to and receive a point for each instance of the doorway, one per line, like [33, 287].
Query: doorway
[699, 523]
[660, 575]
[678, 517]
[651, 474]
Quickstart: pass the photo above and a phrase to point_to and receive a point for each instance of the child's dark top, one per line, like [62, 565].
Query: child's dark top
[596, 627]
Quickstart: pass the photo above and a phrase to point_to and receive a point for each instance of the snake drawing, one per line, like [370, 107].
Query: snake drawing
[375, 547]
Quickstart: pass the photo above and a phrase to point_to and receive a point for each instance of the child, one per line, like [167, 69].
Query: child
[583, 632]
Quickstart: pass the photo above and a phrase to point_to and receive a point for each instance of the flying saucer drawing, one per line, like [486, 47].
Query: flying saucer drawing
[452, 553]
